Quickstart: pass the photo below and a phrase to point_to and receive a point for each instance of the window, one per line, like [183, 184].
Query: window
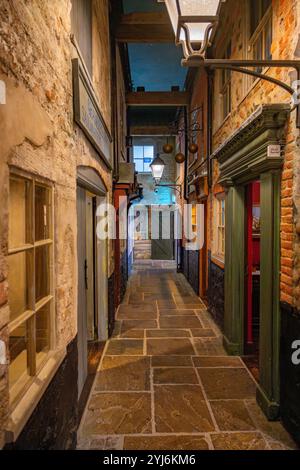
[220, 223]
[260, 30]
[29, 275]
[142, 157]
[225, 86]
[82, 29]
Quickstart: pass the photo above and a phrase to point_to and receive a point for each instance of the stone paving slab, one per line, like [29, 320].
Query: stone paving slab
[165, 442]
[165, 381]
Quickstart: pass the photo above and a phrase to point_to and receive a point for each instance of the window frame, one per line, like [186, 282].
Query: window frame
[86, 55]
[261, 30]
[143, 145]
[29, 316]
[219, 253]
[225, 86]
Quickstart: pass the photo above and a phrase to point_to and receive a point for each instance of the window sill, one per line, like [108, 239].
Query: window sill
[218, 260]
[25, 407]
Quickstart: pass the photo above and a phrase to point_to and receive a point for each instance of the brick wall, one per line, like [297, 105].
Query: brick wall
[245, 99]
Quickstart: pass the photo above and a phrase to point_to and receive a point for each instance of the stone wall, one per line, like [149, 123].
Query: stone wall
[38, 135]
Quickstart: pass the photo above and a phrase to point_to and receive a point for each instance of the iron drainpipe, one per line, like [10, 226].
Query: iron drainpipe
[186, 152]
[209, 125]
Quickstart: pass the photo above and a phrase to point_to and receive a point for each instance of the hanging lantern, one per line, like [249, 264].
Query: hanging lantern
[194, 23]
[157, 168]
[193, 148]
[179, 158]
[168, 148]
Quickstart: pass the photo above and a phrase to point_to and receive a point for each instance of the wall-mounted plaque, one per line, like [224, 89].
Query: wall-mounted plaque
[88, 115]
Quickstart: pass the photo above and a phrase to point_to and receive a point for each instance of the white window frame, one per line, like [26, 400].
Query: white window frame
[142, 144]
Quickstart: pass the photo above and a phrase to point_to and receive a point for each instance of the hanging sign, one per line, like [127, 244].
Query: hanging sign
[274, 151]
[88, 115]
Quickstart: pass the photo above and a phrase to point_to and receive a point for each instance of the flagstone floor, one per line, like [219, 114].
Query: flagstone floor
[165, 381]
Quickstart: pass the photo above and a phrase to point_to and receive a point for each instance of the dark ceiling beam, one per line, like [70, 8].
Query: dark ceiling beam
[145, 28]
[151, 129]
[157, 98]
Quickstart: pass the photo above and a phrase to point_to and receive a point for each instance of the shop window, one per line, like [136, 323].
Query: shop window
[142, 157]
[29, 275]
[261, 34]
[81, 16]
[220, 226]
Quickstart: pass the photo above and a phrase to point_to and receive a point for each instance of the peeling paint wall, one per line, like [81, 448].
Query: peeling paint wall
[38, 135]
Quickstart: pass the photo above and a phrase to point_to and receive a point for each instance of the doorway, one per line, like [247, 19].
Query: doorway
[252, 278]
[92, 275]
[162, 233]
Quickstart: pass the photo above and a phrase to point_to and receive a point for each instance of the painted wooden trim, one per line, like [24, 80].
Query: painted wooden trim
[234, 270]
[268, 393]
[243, 157]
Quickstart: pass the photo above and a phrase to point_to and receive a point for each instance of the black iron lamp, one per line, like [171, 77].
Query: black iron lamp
[157, 167]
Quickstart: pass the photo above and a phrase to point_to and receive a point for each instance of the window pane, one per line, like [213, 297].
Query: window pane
[268, 40]
[19, 212]
[18, 283]
[223, 213]
[149, 151]
[18, 354]
[265, 5]
[139, 165]
[42, 287]
[138, 152]
[255, 8]
[42, 333]
[257, 50]
[42, 213]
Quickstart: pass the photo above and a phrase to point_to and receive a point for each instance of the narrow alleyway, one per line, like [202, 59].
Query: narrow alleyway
[165, 381]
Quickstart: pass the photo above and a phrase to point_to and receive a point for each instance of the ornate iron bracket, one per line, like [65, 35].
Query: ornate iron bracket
[176, 187]
[240, 66]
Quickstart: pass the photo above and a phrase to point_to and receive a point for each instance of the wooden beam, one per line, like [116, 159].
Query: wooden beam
[145, 28]
[157, 98]
[149, 130]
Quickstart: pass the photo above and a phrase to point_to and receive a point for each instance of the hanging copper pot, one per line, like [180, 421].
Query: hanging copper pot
[193, 148]
[180, 157]
[168, 148]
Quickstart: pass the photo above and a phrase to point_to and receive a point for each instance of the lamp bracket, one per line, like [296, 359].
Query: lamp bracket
[176, 187]
[240, 66]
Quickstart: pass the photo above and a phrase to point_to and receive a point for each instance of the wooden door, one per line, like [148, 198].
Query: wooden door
[90, 265]
[163, 248]
[82, 292]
